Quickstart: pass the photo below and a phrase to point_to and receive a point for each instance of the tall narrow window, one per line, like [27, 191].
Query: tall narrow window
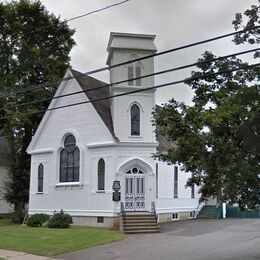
[101, 174]
[134, 70]
[156, 179]
[130, 74]
[69, 160]
[175, 188]
[40, 177]
[138, 73]
[193, 191]
[135, 120]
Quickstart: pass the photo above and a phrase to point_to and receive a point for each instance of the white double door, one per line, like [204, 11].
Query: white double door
[135, 192]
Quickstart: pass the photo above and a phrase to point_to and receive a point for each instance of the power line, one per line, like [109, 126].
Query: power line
[7, 93]
[138, 90]
[133, 79]
[96, 11]
[79, 16]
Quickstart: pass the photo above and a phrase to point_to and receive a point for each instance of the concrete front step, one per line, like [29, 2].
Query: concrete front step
[142, 222]
[139, 216]
[140, 219]
[142, 231]
[140, 227]
[139, 224]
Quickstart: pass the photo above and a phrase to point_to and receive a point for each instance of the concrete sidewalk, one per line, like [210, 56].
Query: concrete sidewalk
[14, 255]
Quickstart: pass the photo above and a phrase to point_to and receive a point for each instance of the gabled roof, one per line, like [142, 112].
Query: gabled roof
[100, 91]
[103, 106]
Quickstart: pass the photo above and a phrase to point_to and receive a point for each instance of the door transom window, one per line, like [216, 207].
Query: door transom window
[134, 170]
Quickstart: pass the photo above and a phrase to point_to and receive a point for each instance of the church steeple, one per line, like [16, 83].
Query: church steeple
[132, 112]
[126, 47]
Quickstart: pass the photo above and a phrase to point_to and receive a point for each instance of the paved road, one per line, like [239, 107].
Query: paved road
[229, 239]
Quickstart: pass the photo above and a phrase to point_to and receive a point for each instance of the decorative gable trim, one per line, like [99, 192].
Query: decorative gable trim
[53, 104]
[48, 114]
[135, 162]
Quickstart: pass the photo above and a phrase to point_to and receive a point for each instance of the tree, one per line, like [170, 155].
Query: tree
[218, 136]
[34, 50]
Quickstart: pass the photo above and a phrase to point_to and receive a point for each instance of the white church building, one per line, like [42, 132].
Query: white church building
[79, 151]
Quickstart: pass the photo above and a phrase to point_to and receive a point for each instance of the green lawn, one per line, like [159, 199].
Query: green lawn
[48, 242]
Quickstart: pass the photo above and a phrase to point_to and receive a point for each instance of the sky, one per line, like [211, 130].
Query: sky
[174, 22]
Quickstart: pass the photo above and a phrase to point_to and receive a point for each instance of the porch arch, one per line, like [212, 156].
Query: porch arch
[135, 162]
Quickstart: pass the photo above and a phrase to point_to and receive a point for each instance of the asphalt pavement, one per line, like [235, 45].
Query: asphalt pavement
[227, 239]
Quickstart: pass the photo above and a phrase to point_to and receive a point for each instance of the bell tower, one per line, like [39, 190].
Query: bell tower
[132, 113]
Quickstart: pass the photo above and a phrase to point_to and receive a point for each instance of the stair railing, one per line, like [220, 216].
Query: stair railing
[198, 209]
[122, 215]
[122, 209]
[219, 212]
[153, 209]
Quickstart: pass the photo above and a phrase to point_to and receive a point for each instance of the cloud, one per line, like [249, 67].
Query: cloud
[174, 22]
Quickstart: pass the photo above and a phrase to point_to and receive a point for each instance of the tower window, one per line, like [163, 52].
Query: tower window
[135, 120]
[134, 70]
[130, 74]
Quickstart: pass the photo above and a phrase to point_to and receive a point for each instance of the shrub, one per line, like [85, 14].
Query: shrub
[60, 220]
[38, 220]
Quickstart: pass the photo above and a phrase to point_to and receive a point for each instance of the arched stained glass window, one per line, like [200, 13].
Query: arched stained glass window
[69, 160]
[101, 174]
[135, 120]
[40, 177]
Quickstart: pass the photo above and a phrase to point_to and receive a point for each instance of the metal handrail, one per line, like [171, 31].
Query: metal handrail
[198, 209]
[153, 209]
[122, 208]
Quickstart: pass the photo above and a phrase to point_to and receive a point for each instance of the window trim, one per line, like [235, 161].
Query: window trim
[177, 216]
[175, 182]
[101, 160]
[40, 167]
[193, 191]
[156, 180]
[60, 184]
[75, 154]
[134, 70]
[192, 214]
[100, 219]
[139, 121]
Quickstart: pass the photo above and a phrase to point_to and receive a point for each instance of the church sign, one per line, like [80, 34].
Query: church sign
[116, 186]
[116, 194]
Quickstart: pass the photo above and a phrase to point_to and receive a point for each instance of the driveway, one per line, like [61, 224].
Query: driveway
[229, 239]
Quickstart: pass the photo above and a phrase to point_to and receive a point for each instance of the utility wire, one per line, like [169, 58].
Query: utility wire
[43, 85]
[128, 80]
[79, 16]
[138, 90]
[96, 11]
